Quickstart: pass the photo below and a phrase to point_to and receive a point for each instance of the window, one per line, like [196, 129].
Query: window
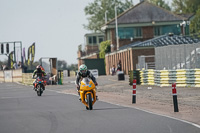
[170, 29]
[125, 33]
[157, 31]
[100, 39]
[92, 40]
[138, 32]
[108, 33]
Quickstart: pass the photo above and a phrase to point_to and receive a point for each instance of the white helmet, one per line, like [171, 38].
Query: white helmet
[83, 69]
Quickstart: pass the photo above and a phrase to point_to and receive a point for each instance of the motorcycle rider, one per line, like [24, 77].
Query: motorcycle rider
[39, 71]
[83, 72]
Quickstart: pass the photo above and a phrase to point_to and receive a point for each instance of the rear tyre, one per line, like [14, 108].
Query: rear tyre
[89, 100]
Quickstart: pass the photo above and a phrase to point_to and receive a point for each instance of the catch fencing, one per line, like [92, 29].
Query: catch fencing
[171, 57]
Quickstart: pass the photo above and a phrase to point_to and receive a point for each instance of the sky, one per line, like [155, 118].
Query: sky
[56, 26]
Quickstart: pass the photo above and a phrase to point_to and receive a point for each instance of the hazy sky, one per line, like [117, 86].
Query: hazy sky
[56, 26]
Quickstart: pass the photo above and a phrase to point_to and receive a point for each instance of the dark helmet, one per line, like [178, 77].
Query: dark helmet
[39, 68]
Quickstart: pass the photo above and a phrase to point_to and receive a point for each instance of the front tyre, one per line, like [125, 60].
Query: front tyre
[39, 90]
[89, 100]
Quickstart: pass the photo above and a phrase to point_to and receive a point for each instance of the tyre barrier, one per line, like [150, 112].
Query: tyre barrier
[182, 77]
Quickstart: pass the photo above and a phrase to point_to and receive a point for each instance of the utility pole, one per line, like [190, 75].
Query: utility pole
[117, 37]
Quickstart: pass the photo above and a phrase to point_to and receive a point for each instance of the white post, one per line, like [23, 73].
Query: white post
[117, 38]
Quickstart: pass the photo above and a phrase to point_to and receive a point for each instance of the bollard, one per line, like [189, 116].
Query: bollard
[175, 101]
[134, 91]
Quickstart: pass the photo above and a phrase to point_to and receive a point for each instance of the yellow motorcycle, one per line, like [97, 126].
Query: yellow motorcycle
[88, 93]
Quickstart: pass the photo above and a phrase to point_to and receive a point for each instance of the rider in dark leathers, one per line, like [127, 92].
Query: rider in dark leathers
[39, 71]
[83, 72]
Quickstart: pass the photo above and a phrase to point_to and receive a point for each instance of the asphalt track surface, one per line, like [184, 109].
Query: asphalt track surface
[22, 111]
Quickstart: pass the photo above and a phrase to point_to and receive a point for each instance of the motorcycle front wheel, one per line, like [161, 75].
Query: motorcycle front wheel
[89, 101]
[39, 90]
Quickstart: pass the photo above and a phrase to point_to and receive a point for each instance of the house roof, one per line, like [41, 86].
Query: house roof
[146, 12]
[164, 40]
[187, 15]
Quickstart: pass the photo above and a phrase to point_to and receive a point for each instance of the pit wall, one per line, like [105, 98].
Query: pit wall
[182, 77]
[27, 78]
[11, 75]
[18, 76]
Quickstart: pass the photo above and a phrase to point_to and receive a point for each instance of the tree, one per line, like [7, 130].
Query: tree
[161, 3]
[73, 67]
[192, 6]
[195, 23]
[62, 65]
[97, 10]
[185, 6]
[179, 6]
[104, 48]
[189, 6]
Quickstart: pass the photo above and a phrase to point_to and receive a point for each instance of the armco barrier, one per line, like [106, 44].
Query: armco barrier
[182, 77]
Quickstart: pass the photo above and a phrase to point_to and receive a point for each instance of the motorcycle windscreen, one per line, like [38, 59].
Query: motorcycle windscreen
[87, 84]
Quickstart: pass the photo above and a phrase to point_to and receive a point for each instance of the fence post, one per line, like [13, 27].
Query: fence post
[175, 101]
[134, 91]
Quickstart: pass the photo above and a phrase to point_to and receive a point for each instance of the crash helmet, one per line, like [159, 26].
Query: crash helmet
[39, 68]
[83, 69]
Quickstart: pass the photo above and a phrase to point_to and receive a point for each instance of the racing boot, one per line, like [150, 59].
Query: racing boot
[97, 98]
[79, 97]
[34, 87]
[78, 88]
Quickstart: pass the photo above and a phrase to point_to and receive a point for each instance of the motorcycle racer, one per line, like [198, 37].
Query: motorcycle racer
[83, 72]
[39, 71]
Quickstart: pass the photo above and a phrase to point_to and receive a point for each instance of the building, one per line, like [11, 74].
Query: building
[139, 24]
[145, 21]
[91, 49]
